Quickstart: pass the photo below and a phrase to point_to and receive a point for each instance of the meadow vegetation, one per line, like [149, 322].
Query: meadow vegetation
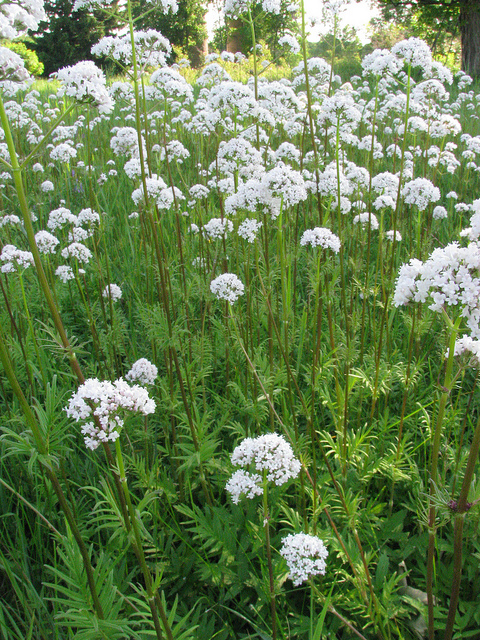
[239, 348]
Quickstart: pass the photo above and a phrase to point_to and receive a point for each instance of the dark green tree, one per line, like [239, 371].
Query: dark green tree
[185, 29]
[67, 36]
[442, 18]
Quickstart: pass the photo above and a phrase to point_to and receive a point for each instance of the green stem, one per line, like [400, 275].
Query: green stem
[266, 528]
[42, 448]
[154, 602]
[437, 432]
[18, 180]
[461, 509]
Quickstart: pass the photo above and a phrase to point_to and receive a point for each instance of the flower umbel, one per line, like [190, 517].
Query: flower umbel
[108, 402]
[305, 556]
[227, 287]
[270, 455]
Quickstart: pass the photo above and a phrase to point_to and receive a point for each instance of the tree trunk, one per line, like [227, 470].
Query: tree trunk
[470, 37]
[234, 36]
[197, 53]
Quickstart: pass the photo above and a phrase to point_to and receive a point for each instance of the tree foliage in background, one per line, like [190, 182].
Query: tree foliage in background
[185, 29]
[345, 49]
[29, 57]
[439, 22]
[235, 35]
[68, 36]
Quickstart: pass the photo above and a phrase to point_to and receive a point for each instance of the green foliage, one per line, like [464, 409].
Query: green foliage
[345, 50]
[30, 58]
[185, 29]
[269, 28]
[315, 349]
[435, 22]
[67, 36]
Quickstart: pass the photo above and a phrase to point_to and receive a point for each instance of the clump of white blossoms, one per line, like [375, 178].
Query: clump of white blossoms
[46, 242]
[107, 402]
[305, 556]
[142, 371]
[235, 8]
[13, 75]
[269, 455]
[366, 219]
[13, 258]
[420, 192]
[78, 251]
[47, 186]
[248, 229]
[151, 48]
[291, 42]
[65, 273]
[17, 16]
[112, 292]
[86, 83]
[320, 237]
[414, 53]
[227, 286]
[60, 217]
[449, 277]
[164, 5]
[439, 213]
[467, 345]
[217, 227]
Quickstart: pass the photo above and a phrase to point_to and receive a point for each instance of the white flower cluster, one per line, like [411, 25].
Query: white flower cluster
[420, 192]
[284, 182]
[88, 216]
[380, 63]
[9, 219]
[227, 286]
[217, 227]
[280, 185]
[449, 277]
[13, 258]
[108, 402]
[46, 186]
[269, 454]
[155, 187]
[366, 219]
[13, 75]
[415, 53]
[125, 141]
[305, 556]
[143, 372]
[473, 232]
[46, 242]
[466, 344]
[151, 48]
[320, 237]
[63, 152]
[170, 85]
[78, 251]
[112, 292]
[17, 16]
[439, 213]
[392, 235]
[244, 483]
[65, 273]
[235, 8]
[289, 41]
[248, 229]
[86, 83]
